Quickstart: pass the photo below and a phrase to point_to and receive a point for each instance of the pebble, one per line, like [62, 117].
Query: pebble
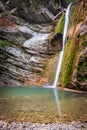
[37, 126]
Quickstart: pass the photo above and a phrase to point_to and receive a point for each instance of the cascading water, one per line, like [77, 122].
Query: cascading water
[60, 57]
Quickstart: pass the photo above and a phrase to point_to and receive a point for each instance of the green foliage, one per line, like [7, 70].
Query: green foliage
[68, 62]
[83, 66]
[30, 3]
[74, 19]
[17, 2]
[78, 14]
[84, 44]
[60, 25]
[69, 1]
[45, 66]
[83, 41]
[82, 79]
[72, 50]
[4, 43]
[24, 3]
[82, 72]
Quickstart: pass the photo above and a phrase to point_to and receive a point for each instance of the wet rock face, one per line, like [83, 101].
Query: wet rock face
[83, 29]
[32, 17]
[79, 80]
[82, 70]
[24, 58]
[32, 12]
[82, 64]
[74, 30]
[57, 40]
[79, 71]
[79, 29]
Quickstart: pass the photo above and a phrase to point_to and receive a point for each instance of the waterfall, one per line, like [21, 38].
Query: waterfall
[60, 57]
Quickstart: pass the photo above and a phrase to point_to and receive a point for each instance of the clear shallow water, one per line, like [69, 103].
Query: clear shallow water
[39, 105]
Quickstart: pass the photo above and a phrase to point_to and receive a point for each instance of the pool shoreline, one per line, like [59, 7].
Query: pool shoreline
[60, 88]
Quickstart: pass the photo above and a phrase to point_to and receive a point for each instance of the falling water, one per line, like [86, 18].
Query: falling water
[60, 61]
[64, 40]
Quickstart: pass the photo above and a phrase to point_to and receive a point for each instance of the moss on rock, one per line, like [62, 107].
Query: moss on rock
[68, 64]
[60, 25]
[74, 66]
[4, 43]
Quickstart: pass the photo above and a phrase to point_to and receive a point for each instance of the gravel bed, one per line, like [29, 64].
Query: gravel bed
[38, 126]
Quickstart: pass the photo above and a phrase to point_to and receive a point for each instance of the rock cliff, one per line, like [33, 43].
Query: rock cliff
[24, 47]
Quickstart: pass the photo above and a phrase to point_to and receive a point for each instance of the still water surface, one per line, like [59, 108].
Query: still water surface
[39, 105]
